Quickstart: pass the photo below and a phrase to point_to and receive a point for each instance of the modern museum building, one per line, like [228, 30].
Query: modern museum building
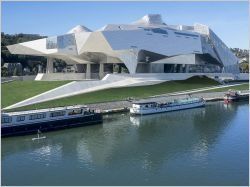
[146, 46]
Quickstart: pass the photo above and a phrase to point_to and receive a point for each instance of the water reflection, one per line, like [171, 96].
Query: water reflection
[169, 116]
[145, 143]
[156, 139]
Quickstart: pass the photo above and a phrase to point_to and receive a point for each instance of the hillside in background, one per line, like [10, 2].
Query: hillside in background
[25, 60]
[243, 55]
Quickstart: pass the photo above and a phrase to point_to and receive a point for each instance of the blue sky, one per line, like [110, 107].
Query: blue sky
[229, 20]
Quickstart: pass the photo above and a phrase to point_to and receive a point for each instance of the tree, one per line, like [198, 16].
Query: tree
[244, 67]
[4, 72]
[7, 39]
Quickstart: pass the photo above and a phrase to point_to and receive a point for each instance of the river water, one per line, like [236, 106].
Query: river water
[204, 146]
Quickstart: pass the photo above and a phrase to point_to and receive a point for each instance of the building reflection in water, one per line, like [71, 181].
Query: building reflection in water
[146, 140]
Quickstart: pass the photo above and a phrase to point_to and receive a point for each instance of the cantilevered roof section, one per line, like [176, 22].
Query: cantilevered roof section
[78, 29]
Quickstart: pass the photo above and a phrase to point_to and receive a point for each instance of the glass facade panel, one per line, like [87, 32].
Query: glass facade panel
[186, 34]
[184, 68]
[65, 41]
[51, 43]
[156, 30]
[208, 68]
[159, 31]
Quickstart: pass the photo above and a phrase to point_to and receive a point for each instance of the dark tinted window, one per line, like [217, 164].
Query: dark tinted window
[37, 116]
[186, 34]
[20, 118]
[58, 113]
[6, 119]
[159, 31]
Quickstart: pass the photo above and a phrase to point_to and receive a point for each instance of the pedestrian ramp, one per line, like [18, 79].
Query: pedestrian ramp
[80, 87]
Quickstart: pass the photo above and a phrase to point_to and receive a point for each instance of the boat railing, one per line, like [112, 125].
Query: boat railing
[45, 110]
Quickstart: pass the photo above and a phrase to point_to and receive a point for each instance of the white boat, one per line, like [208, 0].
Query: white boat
[143, 108]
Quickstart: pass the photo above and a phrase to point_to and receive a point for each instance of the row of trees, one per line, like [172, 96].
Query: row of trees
[244, 66]
[242, 54]
[25, 60]
[28, 62]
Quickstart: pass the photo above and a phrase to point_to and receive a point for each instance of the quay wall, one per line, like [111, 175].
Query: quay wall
[124, 105]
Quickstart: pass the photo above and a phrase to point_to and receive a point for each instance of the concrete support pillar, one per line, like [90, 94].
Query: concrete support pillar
[183, 68]
[101, 70]
[187, 68]
[88, 71]
[40, 69]
[175, 68]
[50, 66]
[119, 68]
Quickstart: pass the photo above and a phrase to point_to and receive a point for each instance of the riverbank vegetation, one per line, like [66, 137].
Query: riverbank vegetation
[243, 86]
[115, 94]
[17, 91]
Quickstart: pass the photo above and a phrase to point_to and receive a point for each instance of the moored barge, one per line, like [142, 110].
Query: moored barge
[43, 120]
[144, 108]
[234, 96]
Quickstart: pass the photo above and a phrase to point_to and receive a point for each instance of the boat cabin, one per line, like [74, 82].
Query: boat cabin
[32, 116]
[141, 105]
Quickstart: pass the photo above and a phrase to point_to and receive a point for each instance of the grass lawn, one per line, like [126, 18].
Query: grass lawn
[17, 91]
[123, 93]
[244, 86]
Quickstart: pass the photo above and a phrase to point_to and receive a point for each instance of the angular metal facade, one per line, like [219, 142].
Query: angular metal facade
[149, 42]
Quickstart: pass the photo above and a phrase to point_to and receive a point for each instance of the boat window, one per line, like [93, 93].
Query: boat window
[75, 111]
[37, 116]
[6, 119]
[20, 118]
[58, 113]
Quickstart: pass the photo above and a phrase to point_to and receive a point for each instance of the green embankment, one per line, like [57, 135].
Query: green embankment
[126, 92]
[244, 86]
[17, 91]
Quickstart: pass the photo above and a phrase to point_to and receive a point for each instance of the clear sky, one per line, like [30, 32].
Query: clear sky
[229, 20]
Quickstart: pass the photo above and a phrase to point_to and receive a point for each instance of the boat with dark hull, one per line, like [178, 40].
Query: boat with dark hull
[33, 121]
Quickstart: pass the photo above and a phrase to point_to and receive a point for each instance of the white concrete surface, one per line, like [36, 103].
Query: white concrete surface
[109, 81]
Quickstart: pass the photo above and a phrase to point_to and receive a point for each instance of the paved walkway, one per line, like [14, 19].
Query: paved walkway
[79, 87]
[111, 81]
[159, 98]
[200, 89]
